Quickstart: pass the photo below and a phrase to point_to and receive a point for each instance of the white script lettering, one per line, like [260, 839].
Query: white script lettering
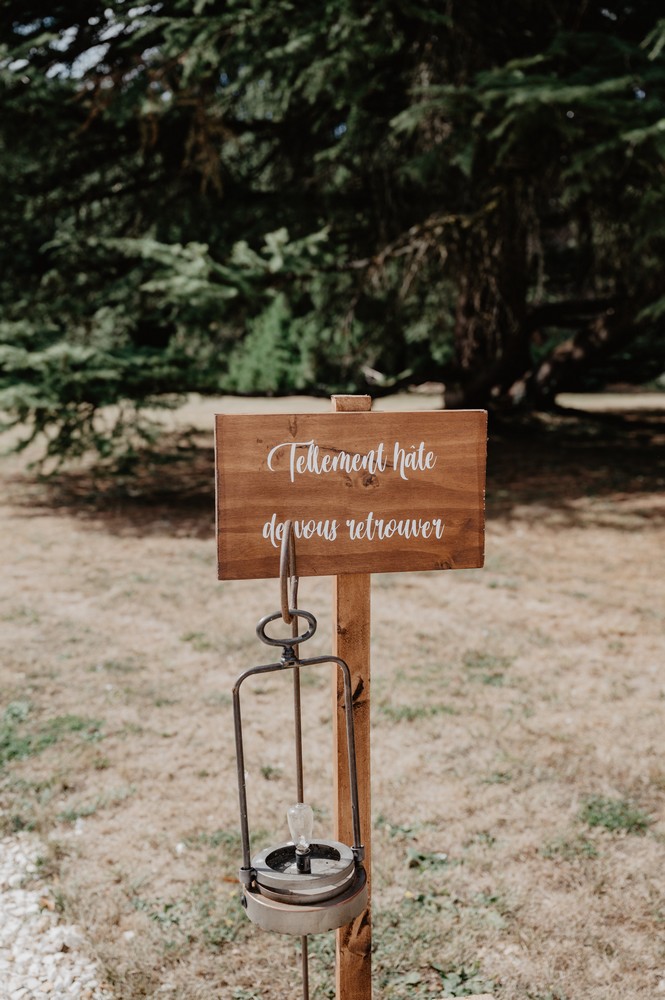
[341, 461]
[306, 456]
[417, 459]
[408, 527]
[274, 530]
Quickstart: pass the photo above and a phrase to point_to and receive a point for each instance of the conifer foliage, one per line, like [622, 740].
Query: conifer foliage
[272, 196]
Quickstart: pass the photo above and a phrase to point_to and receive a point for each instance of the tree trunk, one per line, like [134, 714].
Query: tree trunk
[574, 356]
[491, 330]
[511, 381]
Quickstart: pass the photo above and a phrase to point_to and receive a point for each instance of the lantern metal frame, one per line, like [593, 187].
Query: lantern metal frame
[276, 897]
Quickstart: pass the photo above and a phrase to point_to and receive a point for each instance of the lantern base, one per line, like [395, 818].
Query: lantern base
[332, 871]
[297, 918]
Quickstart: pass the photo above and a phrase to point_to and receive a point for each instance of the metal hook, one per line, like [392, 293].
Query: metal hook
[287, 572]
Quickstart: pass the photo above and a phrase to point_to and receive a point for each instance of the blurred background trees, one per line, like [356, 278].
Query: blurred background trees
[267, 196]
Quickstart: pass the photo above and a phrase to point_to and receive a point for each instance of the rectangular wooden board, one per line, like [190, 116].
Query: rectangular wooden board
[367, 492]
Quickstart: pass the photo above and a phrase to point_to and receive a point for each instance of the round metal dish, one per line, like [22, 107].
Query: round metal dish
[332, 867]
[313, 918]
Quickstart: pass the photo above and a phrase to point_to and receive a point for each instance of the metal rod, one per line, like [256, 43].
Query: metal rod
[297, 712]
[287, 567]
[305, 968]
[242, 788]
[287, 572]
[351, 744]
[300, 782]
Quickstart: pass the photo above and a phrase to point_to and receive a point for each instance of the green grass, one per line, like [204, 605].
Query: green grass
[128, 666]
[86, 809]
[229, 839]
[408, 942]
[483, 839]
[203, 915]
[488, 668]
[28, 801]
[18, 740]
[198, 640]
[410, 713]
[463, 982]
[27, 616]
[569, 850]
[208, 913]
[217, 699]
[499, 778]
[426, 860]
[398, 830]
[218, 917]
[614, 814]
[271, 773]
[17, 711]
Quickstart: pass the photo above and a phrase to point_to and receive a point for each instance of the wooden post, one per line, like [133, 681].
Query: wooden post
[351, 642]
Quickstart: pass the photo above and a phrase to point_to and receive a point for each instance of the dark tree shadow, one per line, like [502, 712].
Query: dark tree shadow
[550, 466]
[166, 491]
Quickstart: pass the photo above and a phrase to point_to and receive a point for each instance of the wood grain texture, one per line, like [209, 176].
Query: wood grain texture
[351, 641]
[351, 404]
[362, 473]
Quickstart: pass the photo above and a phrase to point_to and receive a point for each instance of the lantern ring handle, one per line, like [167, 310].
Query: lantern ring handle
[291, 640]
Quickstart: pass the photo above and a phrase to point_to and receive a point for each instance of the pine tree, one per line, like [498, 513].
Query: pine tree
[262, 196]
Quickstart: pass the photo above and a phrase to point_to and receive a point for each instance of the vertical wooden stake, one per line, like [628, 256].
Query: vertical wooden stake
[351, 642]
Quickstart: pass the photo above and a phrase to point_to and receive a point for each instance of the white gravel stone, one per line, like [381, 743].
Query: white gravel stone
[40, 956]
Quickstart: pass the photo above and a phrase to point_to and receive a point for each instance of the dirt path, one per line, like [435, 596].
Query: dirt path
[517, 711]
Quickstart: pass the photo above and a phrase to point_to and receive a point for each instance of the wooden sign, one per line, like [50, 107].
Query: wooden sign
[366, 492]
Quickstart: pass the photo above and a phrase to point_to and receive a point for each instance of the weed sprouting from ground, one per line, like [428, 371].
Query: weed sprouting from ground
[17, 711]
[271, 772]
[614, 814]
[463, 982]
[424, 860]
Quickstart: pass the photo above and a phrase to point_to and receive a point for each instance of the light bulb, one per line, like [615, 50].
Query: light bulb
[301, 821]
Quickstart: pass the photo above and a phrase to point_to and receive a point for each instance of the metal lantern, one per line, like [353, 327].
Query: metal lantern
[302, 886]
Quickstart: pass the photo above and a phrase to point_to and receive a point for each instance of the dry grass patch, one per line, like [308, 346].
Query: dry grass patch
[517, 748]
